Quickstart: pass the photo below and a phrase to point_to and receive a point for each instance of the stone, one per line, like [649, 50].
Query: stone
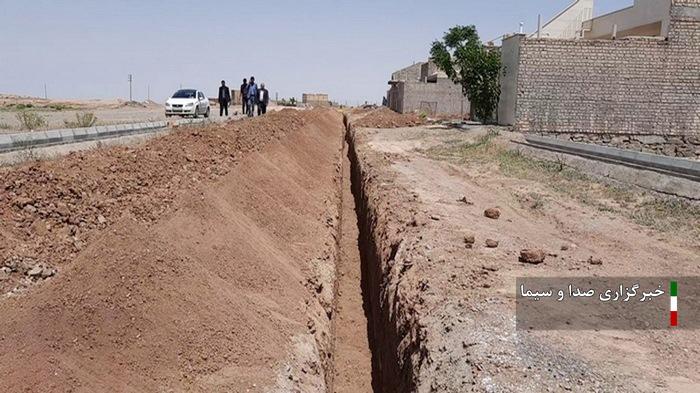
[492, 213]
[40, 228]
[35, 271]
[685, 151]
[417, 221]
[22, 201]
[490, 243]
[47, 272]
[650, 139]
[29, 209]
[469, 241]
[533, 256]
[101, 219]
[62, 209]
[594, 261]
[564, 247]
[668, 150]
[619, 140]
[464, 199]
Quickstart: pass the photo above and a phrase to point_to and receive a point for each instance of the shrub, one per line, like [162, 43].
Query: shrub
[59, 107]
[290, 102]
[86, 119]
[30, 120]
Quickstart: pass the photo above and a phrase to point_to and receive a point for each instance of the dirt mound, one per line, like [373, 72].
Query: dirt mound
[51, 209]
[182, 264]
[384, 117]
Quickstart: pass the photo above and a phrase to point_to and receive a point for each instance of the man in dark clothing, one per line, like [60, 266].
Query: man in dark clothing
[244, 95]
[263, 99]
[224, 98]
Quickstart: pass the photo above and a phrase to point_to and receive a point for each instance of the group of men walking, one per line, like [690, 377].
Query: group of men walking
[251, 96]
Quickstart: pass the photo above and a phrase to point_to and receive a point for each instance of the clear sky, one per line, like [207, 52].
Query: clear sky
[348, 49]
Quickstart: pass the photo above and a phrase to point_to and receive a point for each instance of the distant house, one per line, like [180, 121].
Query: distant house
[318, 99]
[422, 87]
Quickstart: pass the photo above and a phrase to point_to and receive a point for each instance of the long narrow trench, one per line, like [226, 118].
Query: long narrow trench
[352, 354]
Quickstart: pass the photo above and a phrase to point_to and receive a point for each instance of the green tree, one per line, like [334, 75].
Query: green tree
[469, 63]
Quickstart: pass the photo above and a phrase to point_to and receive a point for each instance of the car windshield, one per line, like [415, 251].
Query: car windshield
[185, 94]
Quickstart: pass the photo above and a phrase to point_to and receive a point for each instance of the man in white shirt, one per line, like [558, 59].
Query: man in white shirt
[263, 99]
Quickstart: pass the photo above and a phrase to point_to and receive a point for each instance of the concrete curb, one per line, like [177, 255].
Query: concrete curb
[689, 168]
[26, 140]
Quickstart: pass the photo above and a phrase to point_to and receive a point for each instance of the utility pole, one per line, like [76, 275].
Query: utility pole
[131, 79]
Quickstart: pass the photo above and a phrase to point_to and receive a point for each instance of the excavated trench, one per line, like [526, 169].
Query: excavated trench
[366, 340]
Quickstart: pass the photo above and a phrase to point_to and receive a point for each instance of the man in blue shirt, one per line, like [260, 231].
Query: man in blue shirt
[252, 96]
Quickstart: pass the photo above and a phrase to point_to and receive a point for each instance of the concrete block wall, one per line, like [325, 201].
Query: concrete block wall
[441, 98]
[615, 92]
[410, 73]
[315, 99]
[394, 97]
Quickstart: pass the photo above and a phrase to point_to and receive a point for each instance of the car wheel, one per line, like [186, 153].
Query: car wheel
[206, 114]
[196, 112]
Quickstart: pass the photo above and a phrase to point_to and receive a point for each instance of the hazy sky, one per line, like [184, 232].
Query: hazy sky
[85, 49]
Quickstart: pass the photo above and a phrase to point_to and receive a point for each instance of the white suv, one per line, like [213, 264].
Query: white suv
[187, 102]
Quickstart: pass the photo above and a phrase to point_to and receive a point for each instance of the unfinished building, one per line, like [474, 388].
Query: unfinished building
[422, 87]
[627, 79]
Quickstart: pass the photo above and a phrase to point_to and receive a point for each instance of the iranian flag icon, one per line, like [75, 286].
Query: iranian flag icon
[674, 303]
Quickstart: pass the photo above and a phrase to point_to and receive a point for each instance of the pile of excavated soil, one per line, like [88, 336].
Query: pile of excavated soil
[51, 209]
[200, 261]
[384, 117]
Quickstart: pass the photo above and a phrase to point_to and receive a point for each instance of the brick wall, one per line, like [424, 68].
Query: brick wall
[613, 92]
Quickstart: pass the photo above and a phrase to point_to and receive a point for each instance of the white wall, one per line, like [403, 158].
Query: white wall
[567, 24]
[628, 20]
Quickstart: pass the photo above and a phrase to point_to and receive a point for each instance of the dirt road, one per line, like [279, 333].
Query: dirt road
[443, 300]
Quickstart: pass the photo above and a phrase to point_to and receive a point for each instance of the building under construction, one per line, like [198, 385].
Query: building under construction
[422, 87]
